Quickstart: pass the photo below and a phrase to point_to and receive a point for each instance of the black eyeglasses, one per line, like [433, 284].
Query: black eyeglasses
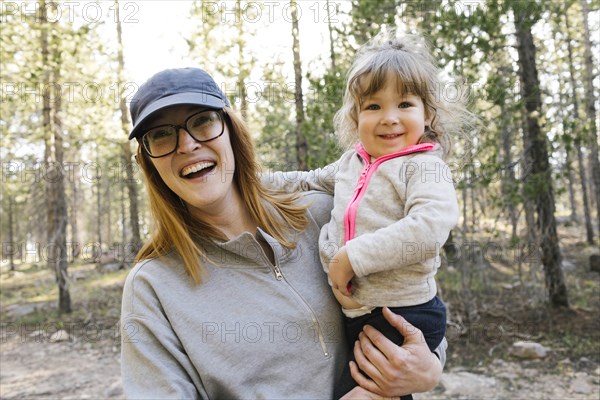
[202, 126]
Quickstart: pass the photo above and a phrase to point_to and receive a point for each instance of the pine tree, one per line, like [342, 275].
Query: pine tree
[539, 181]
[127, 156]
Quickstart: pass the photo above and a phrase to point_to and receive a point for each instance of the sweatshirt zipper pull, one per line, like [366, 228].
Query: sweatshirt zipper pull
[278, 274]
[361, 179]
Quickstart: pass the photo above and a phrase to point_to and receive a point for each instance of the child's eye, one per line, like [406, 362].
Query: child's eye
[405, 104]
[372, 107]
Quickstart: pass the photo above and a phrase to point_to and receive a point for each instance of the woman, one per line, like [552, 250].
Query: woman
[228, 297]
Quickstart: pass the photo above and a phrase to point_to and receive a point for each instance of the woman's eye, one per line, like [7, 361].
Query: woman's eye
[160, 133]
[199, 121]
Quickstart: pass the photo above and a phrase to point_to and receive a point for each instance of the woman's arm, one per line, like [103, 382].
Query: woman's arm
[154, 363]
[393, 370]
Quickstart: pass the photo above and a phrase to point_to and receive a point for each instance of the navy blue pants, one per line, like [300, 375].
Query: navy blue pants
[429, 317]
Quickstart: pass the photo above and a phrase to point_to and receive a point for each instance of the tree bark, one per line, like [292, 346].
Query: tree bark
[508, 182]
[60, 200]
[578, 134]
[11, 237]
[591, 110]
[126, 153]
[73, 217]
[57, 205]
[570, 180]
[567, 134]
[239, 24]
[473, 203]
[464, 193]
[539, 179]
[301, 146]
[330, 29]
[98, 186]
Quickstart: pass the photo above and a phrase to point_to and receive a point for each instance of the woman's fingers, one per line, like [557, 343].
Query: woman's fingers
[411, 333]
[371, 341]
[362, 380]
[367, 367]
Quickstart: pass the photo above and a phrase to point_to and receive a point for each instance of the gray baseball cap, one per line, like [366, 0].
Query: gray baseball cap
[172, 87]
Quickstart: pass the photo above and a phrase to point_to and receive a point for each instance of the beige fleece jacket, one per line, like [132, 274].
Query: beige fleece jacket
[402, 222]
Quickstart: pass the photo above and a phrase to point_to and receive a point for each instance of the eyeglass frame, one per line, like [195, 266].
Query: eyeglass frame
[219, 112]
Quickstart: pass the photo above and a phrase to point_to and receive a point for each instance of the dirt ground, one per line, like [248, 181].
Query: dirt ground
[34, 368]
[489, 309]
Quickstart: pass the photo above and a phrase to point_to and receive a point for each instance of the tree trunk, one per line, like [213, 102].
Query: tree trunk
[301, 146]
[61, 217]
[239, 24]
[591, 110]
[126, 154]
[98, 186]
[562, 114]
[11, 237]
[330, 29]
[123, 214]
[508, 181]
[578, 134]
[532, 237]
[586, 205]
[73, 217]
[540, 179]
[46, 118]
[107, 196]
[473, 204]
[570, 179]
[465, 185]
[57, 207]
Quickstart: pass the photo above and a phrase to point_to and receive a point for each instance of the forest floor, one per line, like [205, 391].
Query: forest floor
[491, 305]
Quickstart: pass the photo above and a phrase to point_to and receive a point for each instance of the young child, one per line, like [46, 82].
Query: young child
[394, 199]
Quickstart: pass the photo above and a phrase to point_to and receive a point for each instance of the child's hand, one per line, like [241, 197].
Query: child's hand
[340, 272]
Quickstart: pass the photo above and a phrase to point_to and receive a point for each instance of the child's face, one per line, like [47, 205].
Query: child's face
[389, 121]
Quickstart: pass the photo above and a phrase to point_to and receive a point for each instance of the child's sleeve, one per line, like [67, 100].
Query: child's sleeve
[321, 179]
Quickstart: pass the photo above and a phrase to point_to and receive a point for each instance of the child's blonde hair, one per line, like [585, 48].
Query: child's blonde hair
[408, 61]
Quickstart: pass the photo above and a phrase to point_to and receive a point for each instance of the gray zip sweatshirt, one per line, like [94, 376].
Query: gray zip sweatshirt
[251, 330]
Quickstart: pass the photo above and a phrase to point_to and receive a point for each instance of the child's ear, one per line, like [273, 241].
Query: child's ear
[429, 114]
[428, 120]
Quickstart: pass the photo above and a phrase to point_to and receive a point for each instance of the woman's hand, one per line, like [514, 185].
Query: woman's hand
[394, 370]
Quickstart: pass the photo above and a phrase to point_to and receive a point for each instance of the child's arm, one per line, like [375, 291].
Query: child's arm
[322, 179]
[340, 272]
[431, 211]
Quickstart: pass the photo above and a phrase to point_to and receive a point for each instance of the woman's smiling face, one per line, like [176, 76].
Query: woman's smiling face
[201, 174]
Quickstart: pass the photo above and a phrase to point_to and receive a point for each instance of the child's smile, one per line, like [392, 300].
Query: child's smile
[389, 121]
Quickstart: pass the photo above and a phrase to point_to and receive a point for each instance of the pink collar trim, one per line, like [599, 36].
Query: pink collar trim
[416, 148]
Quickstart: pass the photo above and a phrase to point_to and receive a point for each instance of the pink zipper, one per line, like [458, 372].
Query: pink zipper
[365, 177]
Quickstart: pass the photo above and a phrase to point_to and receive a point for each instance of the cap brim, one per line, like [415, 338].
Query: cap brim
[199, 99]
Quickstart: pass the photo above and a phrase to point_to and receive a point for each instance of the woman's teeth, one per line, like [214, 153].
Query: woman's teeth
[196, 167]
